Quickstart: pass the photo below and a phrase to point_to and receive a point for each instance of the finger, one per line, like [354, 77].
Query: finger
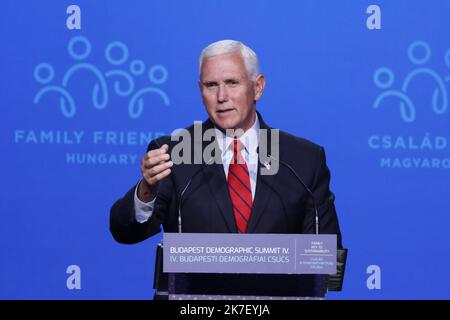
[151, 155]
[159, 176]
[163, 149]
[150, 162]
[149, 173]
[155, 170]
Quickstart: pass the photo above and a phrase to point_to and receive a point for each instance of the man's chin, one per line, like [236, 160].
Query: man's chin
[225, 124]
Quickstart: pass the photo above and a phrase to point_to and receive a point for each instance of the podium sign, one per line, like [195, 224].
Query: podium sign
[249, 253]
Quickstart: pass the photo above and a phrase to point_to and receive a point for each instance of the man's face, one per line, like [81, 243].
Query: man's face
[228, 93]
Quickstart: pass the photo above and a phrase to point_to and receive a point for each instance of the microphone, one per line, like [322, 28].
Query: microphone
[308, 190]
[186, 187]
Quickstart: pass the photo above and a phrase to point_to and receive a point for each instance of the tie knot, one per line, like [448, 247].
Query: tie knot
[237, 145]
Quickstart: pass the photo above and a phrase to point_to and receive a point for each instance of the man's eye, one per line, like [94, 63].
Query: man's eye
[233, 82]
[210, 85]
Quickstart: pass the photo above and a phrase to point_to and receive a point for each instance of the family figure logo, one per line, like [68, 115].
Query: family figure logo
[419, 53]
[421, 145]
[121, 78]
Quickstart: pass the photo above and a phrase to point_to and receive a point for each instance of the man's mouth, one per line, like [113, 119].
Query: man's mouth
[224, 111]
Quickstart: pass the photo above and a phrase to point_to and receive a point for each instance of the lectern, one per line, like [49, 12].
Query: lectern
[230, 266]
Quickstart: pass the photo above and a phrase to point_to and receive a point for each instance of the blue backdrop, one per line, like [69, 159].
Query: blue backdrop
[79, 106]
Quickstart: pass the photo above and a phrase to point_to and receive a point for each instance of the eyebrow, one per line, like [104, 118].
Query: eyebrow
[226, 81]
[232, 80]
[209, 82]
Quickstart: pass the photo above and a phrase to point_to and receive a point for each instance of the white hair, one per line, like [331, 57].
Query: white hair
[230, 46]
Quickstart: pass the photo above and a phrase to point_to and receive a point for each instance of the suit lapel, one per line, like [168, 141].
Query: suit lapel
[262, 196]
[264, 184]
[217, 181]
[215, 175]
[264, 192]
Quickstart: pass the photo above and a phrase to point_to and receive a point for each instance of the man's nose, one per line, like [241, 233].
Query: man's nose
[222, 94]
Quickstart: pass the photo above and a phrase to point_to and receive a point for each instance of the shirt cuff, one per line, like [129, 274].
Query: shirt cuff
[143, 210]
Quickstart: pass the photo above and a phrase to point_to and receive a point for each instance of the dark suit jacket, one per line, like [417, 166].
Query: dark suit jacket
[281, 204]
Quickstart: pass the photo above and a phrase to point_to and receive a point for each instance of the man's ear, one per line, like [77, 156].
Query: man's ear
[260, 83]
[200, 85]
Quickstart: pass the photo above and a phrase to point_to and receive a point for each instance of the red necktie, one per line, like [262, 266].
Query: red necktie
[239, 188]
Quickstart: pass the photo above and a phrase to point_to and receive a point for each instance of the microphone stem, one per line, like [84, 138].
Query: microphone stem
[316, 211]
[180, 230]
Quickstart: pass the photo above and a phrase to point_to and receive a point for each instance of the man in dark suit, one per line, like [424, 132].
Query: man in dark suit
[230, 195]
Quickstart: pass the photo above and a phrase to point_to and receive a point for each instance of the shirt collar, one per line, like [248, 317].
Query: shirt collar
[250, 139]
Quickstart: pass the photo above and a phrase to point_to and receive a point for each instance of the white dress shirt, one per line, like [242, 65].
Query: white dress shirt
[250, 140]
